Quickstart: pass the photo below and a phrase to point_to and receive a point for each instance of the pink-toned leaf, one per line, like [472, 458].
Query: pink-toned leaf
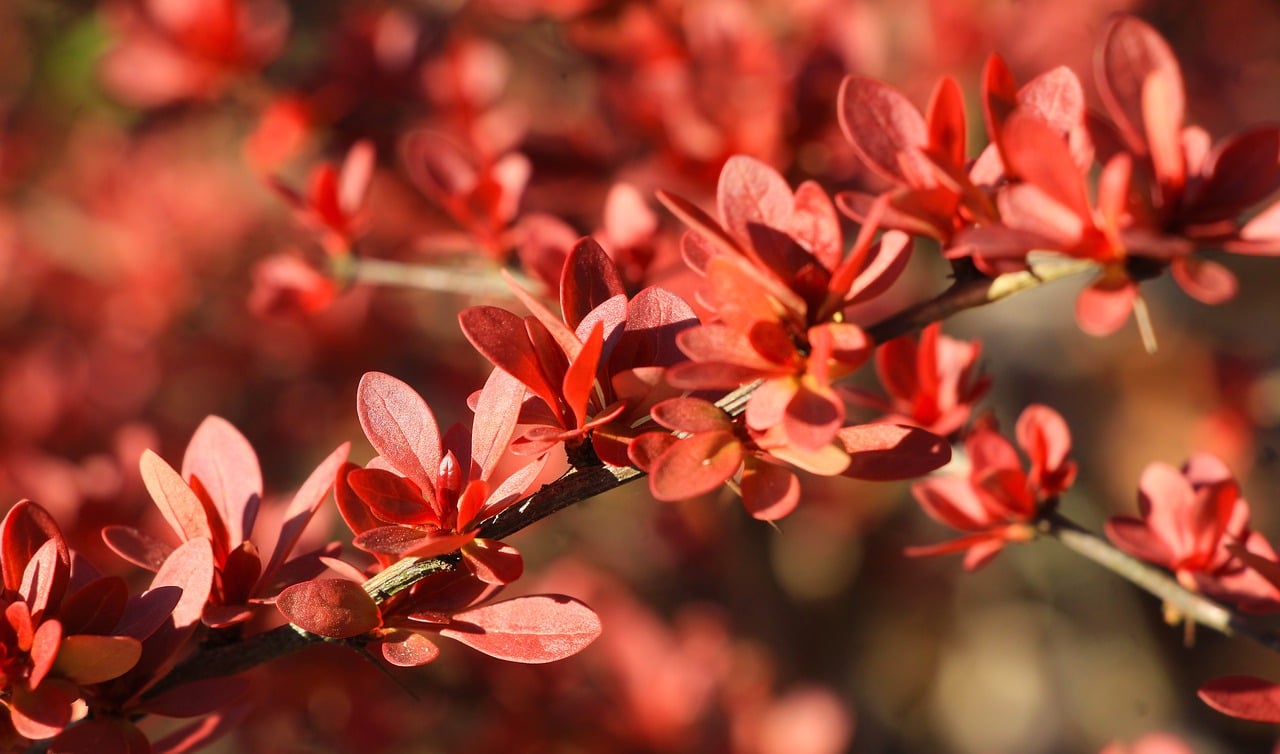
[400, 426]
[695, 466]
[227, 466]
[87, 659]
[769, 492]
[493, 562]
[589, 279]
[191, 569]
[335, 608]
[408, 649]
[198, 697]
[352, 509]
[180, 506]
[44, 581]
[816, 226]
[357, 171]
[1036, 153]
[390, 540]
[306, 501]
[439, 543]
[137, 547]
[953, 501]
[714, 239]
[1245, 697]
[884, 452]
[1055, 97]
[813, 415]
[885, 129]
[1204, 280]
[534, 629]
[1162, 108]
[1104, 305]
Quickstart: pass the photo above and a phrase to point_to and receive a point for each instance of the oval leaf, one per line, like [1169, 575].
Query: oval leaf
[535, 629]
[335, 608]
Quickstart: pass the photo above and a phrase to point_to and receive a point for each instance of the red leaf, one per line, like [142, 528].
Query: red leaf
[353, 510]
[504, 340]
[1130, 52]
[695, 466]
[179, 505]
[1036, 153]
[1243, 696]
[1055, 97]
[138, 548]
[816, 226]
[200, 734]
[191, 569]
[409, 649]
[945, 121]
[227, 466]
[691, 415]
[707, 237]
[884, 452]
[1243, 170]
[885, 129]
[769, 492]
[535, 629]
[86, 659]
[25, 528]
[391, 497]
[44, 650]
[96, 607]
[41, 713]
[493, 562]
[589, 279]
[1103, 307]
[389, 540]
[44, 581]
[401, 427]
[497, 409]
[335, 608]
[580, 377]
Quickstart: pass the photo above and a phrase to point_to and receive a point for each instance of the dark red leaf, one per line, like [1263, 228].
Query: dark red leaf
[589, 279]
[198, 697]
[695, 465]
[137, 547]
[101, 736]
[885, 452]
[96, 607]
[504, 340]
[43, 712]
[25, 528]
[1243, 696]
[391, 497]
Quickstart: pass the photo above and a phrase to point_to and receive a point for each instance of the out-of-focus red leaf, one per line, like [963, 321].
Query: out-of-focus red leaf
[885, 452]
[751, 192]
[335, 608]
[885, 129]
[535, 629]
[1162, 108]
[87, 659]
[1243, 170]
[945, 121]
[198, 697]
[179, 505]
[226, 464]
[1130, 52]
[691, 415]
[401, 427]
[1103, 307]
[409, 649]
[1243, 696]
[816, 226]
[493, 562]
[1036, 153]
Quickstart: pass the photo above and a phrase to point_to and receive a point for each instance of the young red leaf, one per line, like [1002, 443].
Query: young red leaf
[496, 411]
[44, 581]
[945, 120]
[535, 629]
[1245, 697]
[86, 659]
[226, 464]
[139, 548]
[504, 340]
[96, 607]
[408, 649]
[400, 426]
[691, 415]
[391, 497]
[335, 608]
